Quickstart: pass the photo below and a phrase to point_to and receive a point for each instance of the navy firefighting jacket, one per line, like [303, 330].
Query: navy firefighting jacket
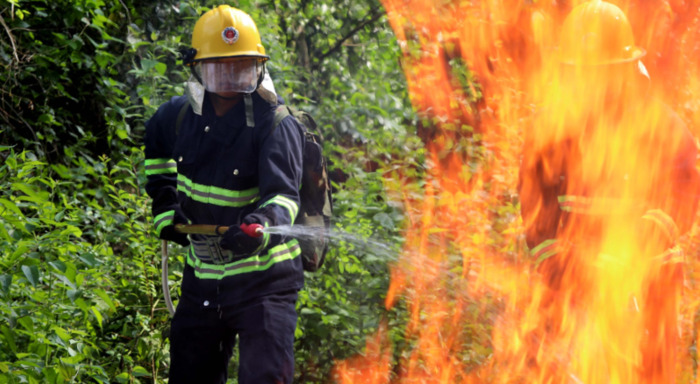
[217, 170]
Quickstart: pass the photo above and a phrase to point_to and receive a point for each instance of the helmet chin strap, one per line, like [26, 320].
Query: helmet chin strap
[248, 100]
[249, 114]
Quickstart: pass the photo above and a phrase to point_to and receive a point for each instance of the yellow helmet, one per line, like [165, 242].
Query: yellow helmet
[596, 33]
[226, 32]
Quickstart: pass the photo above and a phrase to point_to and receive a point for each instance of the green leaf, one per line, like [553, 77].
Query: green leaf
[148, 64]
[12, 207]
[21, 249]
[5, 283]
[62, 333]
[72, 360]
[50, 375]
[73, 294]
[104, 296]
[384, 220]
[98, 316]
[140, 371]
[122, 134]
[32, 194]
[71, 230]
[123, 377]
[58, 265]
[63, 171]
[27, 323]
[9, 337]
[307, 311]
[65, 280]
[161, 68]
[32, 274]
[89, 259]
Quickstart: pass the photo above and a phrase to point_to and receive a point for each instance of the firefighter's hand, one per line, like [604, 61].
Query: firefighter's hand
[240, 243]
[256, 218]
[169, 233]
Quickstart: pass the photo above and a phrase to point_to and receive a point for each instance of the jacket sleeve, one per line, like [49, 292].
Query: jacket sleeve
[539, 206]
[280, 170]
[684, 179]
[161, 168]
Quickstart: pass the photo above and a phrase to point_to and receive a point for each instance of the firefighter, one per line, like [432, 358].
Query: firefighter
[575, 189]
[213, 157]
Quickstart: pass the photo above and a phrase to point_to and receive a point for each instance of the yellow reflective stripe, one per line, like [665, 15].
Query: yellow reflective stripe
[277, 254]
[544, 250]
[163, 220]
[210, 194]
[597, 205]
[579, 204]
[265, 242]
[285, 202]
[160, 166]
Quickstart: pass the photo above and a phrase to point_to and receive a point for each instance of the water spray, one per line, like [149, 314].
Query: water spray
[300, 232]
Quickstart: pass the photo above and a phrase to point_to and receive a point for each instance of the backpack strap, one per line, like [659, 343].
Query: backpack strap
[281, 112]
[180, 118]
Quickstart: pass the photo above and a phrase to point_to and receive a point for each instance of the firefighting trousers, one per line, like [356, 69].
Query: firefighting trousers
[202, 339]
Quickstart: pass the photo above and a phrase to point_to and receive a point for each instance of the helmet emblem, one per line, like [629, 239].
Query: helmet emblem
[230, 35]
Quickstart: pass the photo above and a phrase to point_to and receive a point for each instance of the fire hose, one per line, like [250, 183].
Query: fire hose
[252, 230]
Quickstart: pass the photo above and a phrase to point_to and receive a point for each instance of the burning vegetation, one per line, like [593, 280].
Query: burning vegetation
[585, 116]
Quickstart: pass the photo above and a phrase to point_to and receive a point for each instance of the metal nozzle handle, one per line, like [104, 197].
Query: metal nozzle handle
[252, 230]
[201, 229]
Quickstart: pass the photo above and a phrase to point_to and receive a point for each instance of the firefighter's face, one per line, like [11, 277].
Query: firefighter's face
[598, 87]
[230, 75]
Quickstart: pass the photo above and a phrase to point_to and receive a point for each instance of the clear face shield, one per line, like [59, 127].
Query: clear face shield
[239, 75]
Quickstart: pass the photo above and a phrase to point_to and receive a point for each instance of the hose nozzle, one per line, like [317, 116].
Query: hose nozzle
[252, 230]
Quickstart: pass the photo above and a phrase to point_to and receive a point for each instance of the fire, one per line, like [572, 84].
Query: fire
[546, 105]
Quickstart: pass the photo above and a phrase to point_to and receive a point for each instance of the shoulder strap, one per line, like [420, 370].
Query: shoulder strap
[281, 112]
[180, 117]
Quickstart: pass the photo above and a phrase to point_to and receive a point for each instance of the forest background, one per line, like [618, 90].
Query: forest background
[80, 296]
[428, 174]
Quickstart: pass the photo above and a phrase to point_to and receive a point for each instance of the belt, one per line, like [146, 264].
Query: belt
[207, 249]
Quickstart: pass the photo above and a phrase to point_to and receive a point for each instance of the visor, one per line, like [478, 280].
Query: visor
[239, 76]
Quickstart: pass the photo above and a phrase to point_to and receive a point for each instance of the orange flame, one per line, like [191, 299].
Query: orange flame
[560, 118]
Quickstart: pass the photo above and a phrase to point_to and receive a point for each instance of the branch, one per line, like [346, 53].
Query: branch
[126, 10]
[12, 39]
[375, 14]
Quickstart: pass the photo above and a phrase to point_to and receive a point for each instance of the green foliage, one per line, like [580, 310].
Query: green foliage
[80, 296]
[78, 274]
[60, 71]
